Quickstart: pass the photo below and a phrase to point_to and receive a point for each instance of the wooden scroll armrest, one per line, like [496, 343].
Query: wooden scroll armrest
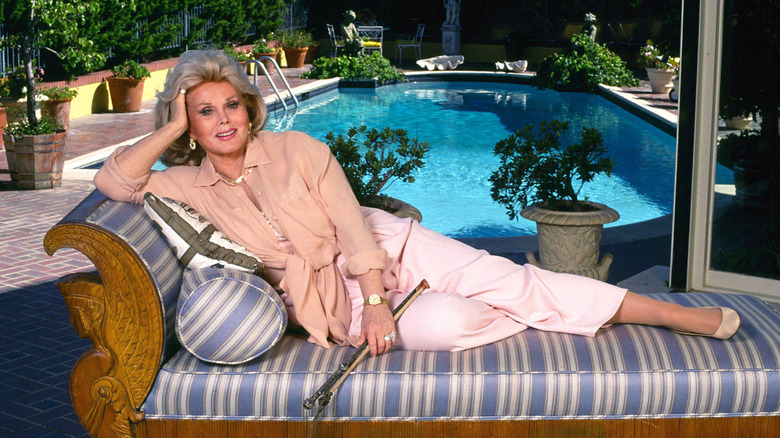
[120, 311]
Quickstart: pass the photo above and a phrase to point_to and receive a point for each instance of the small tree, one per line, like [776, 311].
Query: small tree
[35, 24]
[536, 168]
[389, 156]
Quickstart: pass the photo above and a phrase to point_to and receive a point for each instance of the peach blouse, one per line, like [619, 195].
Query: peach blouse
[304, 194]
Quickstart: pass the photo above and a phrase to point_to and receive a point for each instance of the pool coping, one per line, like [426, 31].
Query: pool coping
[664, 120]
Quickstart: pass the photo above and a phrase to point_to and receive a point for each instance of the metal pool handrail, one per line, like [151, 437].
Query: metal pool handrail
[259, 64]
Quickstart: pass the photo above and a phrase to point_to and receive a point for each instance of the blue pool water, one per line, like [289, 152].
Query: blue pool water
[462, 121]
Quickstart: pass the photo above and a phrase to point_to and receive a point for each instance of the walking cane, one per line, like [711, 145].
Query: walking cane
[323, 395]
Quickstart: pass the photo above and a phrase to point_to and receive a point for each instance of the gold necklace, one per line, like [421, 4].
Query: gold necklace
[233, 182]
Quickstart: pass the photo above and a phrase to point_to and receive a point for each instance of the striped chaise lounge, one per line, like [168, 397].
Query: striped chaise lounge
[627, 381]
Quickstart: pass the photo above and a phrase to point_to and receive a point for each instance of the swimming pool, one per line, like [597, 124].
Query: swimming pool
[462, 121]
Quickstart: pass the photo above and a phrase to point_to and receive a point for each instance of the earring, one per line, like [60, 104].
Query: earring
[193, 145]
[250, 127]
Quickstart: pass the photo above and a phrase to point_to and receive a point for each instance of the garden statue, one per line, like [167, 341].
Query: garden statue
[453, 13]
[590, 26]
[353, 44]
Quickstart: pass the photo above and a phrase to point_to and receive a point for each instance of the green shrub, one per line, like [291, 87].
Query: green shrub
[535, 168]
[389, 156]
[582, 66]
[354, 67]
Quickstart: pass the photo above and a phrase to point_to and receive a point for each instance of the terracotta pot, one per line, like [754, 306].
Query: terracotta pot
[268, 64]
[35, 161]
[569, 241]
[311, 53]
[126, 94]
[660, 80]
[59, 109]
[295, 57]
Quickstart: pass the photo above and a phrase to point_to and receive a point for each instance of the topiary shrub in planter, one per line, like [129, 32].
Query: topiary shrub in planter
[373, 160]
[541, 180]
[582, 66]
[355, 68]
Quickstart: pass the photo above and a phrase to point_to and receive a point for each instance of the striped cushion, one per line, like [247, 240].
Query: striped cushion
[625, 371]
[228, 317]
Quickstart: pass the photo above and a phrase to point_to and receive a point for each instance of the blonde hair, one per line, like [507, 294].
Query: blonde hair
[196, 67]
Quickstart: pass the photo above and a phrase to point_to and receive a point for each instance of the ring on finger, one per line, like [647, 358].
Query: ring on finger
[390, 337]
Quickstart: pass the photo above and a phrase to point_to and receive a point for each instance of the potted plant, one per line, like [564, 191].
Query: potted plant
[13, 92]
[127, 86]
[541, 180]
[745, 155]
[661, 68]
[262, 48]
[356, 71]
[295, 44]
[387, 156]
[58, 103]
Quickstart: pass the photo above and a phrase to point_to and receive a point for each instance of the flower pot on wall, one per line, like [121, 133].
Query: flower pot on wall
[59, 109]
[295, 56]
[569, 241]
[35, 161]
[126, 94]
[660, 80]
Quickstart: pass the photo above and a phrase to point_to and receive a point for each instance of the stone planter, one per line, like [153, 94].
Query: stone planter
[35, 161]
[59, 109]
[738, 123]
[126, 94]
[660, 80]
[295, 57]
[569, 241]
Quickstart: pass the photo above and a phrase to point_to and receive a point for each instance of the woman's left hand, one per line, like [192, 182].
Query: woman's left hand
[376, 325]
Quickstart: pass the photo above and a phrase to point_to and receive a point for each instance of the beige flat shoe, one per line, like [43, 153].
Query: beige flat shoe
[729, 324]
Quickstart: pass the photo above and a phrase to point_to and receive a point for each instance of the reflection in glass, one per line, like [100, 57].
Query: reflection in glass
[745, 236]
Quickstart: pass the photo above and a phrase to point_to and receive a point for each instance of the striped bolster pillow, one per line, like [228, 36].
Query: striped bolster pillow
[228, 317]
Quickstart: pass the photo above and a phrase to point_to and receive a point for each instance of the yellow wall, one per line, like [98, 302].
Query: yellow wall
[94, 98]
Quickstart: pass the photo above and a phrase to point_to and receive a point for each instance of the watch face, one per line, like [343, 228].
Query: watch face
[374, 300]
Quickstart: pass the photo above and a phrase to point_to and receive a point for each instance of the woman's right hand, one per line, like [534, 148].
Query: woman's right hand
[179, 111]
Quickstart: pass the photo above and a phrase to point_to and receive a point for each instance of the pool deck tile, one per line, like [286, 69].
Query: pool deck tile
[38, 345]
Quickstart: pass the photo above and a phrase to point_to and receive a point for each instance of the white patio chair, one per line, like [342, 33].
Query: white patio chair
[413, 43]
[372, 38]
[336, 41]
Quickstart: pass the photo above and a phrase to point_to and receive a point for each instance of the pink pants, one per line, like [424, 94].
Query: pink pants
[475, 298]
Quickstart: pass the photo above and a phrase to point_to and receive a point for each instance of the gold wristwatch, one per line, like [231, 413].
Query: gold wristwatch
[375, 300]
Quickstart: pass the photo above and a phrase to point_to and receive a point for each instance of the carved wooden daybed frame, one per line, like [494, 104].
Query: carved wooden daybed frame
[119, 311]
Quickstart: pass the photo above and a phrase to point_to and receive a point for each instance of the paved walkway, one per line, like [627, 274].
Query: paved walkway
[38, 347]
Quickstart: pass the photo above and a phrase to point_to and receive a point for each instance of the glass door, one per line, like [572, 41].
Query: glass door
[735, 237]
